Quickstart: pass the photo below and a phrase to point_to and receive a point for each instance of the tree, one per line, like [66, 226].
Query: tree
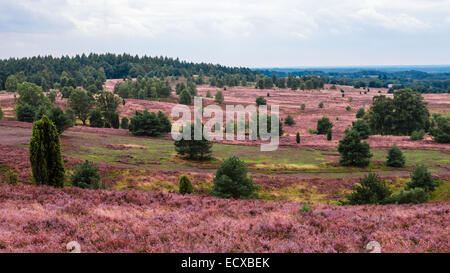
[219, 97]
[11, 83]
[45, 154]
[107, 104]
[81, 103]
[370, 190]
[61, 120]
[297, 137]
[441, 131]
[25, 112]
[124, 123]
[149, 124]
[1, 113]
[303, 106]
[31, 94]
[185, 185]
[329, 134]
[405, 113]
[421, 178]
[362, 127]
[360, 113]
[86, 176]
[231, 180]
[323, 125]
[289, 121]
[52, 96]
[321, 105]
[395, 157]
[194, 149]
[96, 119]
[261, 101]
[353, 152]
[208, 94]
[185, 98]
[417, 135]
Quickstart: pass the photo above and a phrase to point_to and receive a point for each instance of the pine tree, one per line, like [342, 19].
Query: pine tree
[219, 97]
[45, 154]
[329, 134]
[353, 152]
[124, 123]
[289, 120]
[421, 178]
[231, 180]
[195, 149]
[185, 98]
[297, 137]
[395, 157]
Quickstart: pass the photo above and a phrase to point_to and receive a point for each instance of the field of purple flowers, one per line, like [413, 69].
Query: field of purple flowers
[45, 219]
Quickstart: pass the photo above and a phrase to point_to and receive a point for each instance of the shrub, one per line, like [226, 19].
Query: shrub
[305, 208]
[312, 131]
[1, 113]
[353, 152]
[411, 196]
[421, 178]
[113, 117]
[195, 149]
[231, 180]
[348, 108]
[149, 124]
[208, 94]
[86, 176]
[61, 120]
[350, 99]
[185, 185]
[303, 106]
[417, 135]
[124, 123]
[321, 105]
[219, 97]
[11, 177]
[25, 112]
[297, 137]
[395, 157]
[185, 98]
[371, 190]
[96, 119]
[261, 101]
[360, 113]
[323, 125]
[362, 127]
[441, 133]
[45, 154]
[329, 134]
[289, 120]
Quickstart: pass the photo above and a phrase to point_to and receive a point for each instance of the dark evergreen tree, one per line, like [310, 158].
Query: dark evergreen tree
[395, 157]
[353, 152]
[185, 185]
[86, 176]
[194, 149]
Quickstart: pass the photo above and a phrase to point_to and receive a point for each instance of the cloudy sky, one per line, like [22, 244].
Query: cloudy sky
[254, 33]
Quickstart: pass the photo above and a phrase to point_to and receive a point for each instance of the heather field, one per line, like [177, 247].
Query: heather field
[44, 219]
[140, 209]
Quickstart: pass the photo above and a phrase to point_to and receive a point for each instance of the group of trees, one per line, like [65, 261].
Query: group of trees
[93, 69]
[186, 91]
[303, 82]
[143, 88]
[149, 124]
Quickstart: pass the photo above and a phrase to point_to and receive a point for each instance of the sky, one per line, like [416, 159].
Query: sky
[253, 33]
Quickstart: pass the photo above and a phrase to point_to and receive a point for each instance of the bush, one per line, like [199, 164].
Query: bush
[45, 154]
[1, 113]
[297, 138]
[289, 120]
[11, 178]
[362, 127]
[231, 180]
[417, 135]
[348, 108]
[441, 133]
[371, 190]
[124, 123]
[323, 125]
[86, 176]
[185, 185]
[195, 149]
[329, 135]
[261, 101]
[411, 196]
[421, 178]
[360, 113]
[395, 157]
[312, 131]
[219, 97]
[61, 120]
[185, 98]
[149, 124]
[25, 112]
[96, 119]
[208, 94]
[303, 106]
[321, 105]
[353, 152]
